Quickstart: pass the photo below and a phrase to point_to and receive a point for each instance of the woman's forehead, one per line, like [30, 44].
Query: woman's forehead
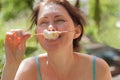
[48, 10]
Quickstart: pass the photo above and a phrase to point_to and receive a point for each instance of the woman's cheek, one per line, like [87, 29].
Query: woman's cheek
[38, 30]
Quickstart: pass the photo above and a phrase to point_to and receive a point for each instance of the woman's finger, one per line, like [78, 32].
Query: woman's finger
[26, 36]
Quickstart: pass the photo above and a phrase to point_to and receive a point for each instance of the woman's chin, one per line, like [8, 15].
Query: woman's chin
[52, 47]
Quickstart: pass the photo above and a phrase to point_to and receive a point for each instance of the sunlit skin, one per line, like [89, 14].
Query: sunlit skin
[53, 19]
[15, 45]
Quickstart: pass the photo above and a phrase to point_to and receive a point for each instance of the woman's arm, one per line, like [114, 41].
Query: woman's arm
[9, 71]
[15, 46]
[27, 70]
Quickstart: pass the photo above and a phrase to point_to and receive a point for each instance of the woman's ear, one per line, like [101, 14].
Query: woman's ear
[77, 31]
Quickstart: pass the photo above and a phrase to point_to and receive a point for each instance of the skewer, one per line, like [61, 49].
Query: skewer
[36, 34]
[58, 32]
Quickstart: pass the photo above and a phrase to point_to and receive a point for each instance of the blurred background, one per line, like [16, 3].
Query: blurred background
[101, 36]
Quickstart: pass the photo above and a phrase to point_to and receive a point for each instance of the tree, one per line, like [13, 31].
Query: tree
[11, 8]
[97, 13]
[0, 6]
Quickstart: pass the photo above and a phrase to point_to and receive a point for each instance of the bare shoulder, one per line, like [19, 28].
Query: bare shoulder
[101, 64]
[29, 63]
[28, 69]
[25, 70]
[102, 68]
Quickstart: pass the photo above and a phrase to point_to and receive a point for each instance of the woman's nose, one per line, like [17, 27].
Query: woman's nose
[51, 28]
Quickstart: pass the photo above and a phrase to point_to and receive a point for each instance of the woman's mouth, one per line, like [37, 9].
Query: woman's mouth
[51, 35]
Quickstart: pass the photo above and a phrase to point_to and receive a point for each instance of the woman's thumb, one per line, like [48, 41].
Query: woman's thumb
[26, 36]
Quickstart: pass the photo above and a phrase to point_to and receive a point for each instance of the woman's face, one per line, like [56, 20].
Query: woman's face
[54, 17]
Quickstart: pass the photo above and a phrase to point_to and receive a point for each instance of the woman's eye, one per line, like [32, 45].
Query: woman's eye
[59, 21]
[43, 24]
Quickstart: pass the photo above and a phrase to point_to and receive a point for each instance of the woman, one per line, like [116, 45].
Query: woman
[62, 60]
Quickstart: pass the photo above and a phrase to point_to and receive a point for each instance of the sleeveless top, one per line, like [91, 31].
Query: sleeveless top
[93, 68]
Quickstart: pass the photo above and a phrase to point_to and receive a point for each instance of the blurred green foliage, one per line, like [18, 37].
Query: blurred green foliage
[107, 33]
[11, 8]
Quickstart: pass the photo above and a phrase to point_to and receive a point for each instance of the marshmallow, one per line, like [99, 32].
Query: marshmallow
[51, 35]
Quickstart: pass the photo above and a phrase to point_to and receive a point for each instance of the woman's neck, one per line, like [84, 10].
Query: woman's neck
[61, 61]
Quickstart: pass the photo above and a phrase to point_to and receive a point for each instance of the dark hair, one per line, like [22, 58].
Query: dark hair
[75, 14]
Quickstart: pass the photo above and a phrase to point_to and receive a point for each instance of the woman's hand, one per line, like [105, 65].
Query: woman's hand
[15, 46]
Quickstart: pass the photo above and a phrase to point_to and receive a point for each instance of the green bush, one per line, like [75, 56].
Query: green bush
[11, 8]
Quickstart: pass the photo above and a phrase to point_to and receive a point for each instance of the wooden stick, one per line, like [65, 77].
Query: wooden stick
[58, 32]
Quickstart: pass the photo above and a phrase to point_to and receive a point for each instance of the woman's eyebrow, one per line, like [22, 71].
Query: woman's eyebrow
[44, 17]
[59, 16]
[39, 19]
